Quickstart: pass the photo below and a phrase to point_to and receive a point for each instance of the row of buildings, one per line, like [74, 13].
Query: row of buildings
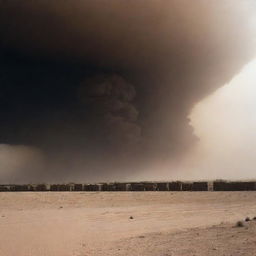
[138, 186]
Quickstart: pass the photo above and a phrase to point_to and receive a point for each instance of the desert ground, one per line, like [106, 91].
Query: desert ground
[127, 223]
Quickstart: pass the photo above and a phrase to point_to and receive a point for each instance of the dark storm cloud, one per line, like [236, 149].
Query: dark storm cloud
[107, 84]
[109, 101]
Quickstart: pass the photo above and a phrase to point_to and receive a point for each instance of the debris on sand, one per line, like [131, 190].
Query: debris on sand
[247, 219]
[240, 224]
[131, 217]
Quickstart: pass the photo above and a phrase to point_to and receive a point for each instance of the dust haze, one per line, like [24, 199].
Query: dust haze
[103, 90]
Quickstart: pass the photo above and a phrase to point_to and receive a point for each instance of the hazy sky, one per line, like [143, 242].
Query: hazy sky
[227, 146]
[103, 90]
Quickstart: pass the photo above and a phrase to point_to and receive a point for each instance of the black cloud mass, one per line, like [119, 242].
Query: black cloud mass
[104, 88]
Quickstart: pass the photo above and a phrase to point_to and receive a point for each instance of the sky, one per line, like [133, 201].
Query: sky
[117, 90]
[227, 146]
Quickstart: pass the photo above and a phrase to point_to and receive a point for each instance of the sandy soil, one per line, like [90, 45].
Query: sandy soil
[99, 223]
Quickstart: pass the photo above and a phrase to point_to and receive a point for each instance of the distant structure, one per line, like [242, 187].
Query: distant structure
[138, 186]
